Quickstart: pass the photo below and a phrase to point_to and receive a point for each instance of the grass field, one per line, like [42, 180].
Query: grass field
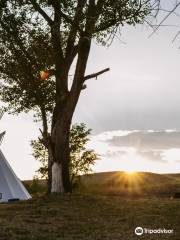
[85, 216]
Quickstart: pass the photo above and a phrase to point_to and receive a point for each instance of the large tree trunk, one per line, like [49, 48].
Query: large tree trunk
[65, 106]
[60, 166]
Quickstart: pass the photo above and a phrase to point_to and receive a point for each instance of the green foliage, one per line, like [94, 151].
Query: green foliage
[81, 159]
[36, 186]
[26, 45]
[25, 50]
[40, 153]
[116, 14]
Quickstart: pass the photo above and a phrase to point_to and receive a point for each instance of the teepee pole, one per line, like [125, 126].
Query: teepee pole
[1, 113]
[3, 133]
[2, 136]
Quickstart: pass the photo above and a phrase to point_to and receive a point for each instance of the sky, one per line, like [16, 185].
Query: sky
[133, 110]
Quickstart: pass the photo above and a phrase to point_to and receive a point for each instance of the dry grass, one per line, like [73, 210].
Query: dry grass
[85, 217]
[108, 207]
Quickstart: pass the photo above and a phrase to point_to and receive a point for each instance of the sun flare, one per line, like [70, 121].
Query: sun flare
[130, 172]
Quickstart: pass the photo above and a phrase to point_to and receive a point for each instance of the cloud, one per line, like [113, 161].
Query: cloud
[138, 150]
[152, 155]
[148, 140]
[115, 153]
[122, 153]
[151, 145]
[108, 135]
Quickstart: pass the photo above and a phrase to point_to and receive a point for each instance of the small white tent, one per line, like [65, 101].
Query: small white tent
[11, 187]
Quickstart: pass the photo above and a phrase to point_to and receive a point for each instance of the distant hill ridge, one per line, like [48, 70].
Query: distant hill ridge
[139, 183]
[122, 183]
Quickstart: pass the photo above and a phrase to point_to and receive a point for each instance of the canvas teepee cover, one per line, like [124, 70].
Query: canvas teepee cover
[10, 186]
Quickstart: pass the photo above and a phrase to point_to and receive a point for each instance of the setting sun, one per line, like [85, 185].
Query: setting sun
[130, 172]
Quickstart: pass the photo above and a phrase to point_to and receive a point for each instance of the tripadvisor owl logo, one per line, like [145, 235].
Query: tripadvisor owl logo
[139, 231]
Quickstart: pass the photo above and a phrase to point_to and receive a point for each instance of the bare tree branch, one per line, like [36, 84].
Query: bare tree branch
[164, 19]
[177, 34]
[108, 24]
[41, 11]
[95, 75]
[55, 31]
[73, 31]
[69, 20]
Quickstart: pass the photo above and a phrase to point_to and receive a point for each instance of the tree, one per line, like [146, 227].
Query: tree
[81, 159]
[65, 29]
[22, 58]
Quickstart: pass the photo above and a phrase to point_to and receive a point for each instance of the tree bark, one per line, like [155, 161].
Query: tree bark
[57, 182]
[50, 163]
[61, 158]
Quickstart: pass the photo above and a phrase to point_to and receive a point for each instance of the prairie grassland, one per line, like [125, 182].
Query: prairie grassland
[88, 217]
[96, 215]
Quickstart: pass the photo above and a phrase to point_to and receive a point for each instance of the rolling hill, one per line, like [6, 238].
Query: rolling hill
[121, 183]
[139, 183]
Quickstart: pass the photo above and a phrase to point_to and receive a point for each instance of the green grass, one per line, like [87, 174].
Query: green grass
[107, 206]
[84, 216]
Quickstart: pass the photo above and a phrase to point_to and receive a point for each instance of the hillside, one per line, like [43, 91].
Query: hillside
[175, 176]
[140, 183]
[121, 183]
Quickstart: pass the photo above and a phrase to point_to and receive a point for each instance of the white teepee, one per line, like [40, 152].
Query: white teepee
[11, 187]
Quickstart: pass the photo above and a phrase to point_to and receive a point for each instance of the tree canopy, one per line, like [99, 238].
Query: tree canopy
[27, 45]
[24, 46]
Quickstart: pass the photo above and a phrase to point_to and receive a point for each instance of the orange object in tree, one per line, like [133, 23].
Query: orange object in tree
[44, 75]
